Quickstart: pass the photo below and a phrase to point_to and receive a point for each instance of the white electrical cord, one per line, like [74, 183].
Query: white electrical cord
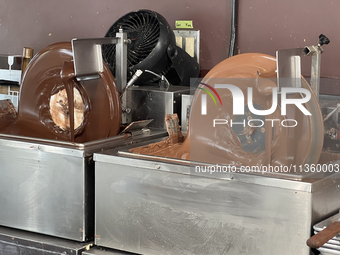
[161, 77]
[136, 76]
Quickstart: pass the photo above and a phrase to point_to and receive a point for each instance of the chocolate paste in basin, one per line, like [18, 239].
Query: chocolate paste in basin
[51, 71]
[220, 145]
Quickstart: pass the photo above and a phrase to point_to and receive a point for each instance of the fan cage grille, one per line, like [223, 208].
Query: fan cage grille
[143, 29]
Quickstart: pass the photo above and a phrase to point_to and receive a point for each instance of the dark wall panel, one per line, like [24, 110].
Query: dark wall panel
[264, 25]
[268, 25]
[38, 23]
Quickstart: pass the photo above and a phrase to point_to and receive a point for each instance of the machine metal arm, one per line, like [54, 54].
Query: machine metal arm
[88, 59]
[289, 65]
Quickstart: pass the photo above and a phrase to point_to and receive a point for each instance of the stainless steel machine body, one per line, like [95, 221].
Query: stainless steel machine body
[153, 102]
[48, 186]
[186, 106]
[150, 206]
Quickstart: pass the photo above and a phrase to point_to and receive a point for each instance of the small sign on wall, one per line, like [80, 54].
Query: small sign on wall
[184, 24]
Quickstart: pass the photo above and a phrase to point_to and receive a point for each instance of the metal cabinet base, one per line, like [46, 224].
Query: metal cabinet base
[47, 187]
[105, 251]
[155, 207]
[18, 242]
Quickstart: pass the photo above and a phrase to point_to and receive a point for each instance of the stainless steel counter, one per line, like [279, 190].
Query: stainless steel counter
[151, 206]
[48, 186]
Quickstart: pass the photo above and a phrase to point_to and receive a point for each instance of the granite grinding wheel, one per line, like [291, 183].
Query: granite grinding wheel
[43, 111]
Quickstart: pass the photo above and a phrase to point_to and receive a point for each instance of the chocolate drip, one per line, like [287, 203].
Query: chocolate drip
[67, 76]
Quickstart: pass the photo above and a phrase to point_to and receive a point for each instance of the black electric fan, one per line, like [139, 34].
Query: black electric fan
[152, 47]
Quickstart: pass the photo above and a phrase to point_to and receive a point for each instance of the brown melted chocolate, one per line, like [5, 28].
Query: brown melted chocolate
[220, 145]
[7, 113]
[50, 71]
